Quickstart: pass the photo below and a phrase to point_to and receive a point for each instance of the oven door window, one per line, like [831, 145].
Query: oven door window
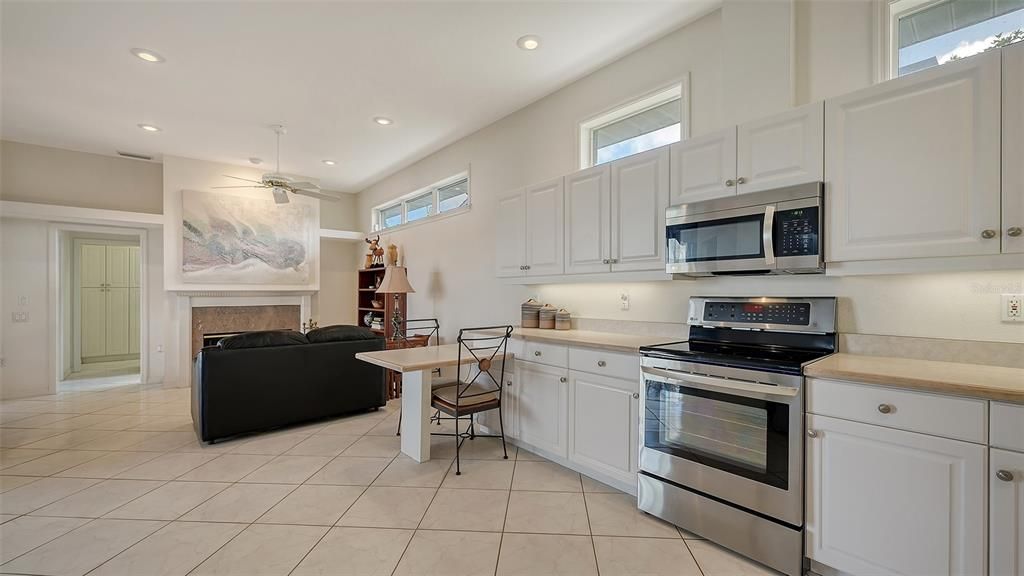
[742, 436]
[736, 238]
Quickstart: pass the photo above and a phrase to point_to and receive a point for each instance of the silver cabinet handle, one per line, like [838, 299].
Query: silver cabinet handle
[741, 180]
[636, 395]
[1005, 475]
[527, 266]
[601, 363]
[730, 183]
[606, 261]
[562, 379]
[509, 383]
[536, 352]
[885, 408]
[1014, 231]
[614, 260]
[812, 433]
[988, 234]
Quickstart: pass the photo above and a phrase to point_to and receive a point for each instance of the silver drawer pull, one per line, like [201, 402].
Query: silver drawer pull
[636, 395]
[1005, 475]
[601, 363]
[562, 379]
[812, 433]
[885, 408]
[536, 353]
[1014, 231]
[988, 234]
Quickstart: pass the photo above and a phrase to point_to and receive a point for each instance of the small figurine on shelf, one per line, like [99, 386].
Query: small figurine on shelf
[375, 257]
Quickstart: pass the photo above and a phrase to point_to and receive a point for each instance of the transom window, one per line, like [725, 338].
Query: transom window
[646, 123]
[449, 195]
[927, 33]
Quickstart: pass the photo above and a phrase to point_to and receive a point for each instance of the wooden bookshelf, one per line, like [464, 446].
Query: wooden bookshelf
[369, 278]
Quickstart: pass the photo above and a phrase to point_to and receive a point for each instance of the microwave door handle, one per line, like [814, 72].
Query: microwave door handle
[768, 235]
[736, 387]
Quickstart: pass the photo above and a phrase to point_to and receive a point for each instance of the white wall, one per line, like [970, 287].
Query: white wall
[451, 261]
[25, 344]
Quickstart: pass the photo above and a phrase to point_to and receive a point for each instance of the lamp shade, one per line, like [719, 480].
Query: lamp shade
[395, 281]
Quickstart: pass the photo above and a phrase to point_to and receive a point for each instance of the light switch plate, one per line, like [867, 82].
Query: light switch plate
[1012, 309]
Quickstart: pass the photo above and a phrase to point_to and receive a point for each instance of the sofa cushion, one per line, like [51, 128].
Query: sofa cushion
[340, 333]
[262, 339]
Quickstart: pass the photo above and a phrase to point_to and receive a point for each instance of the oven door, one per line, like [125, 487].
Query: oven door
[727, 241]
[734, 440]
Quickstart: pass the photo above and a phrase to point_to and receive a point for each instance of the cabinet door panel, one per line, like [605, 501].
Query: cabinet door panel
[640, 196]
[133, 320]
[94, 322]
[544, 228]
[510, 231]
[93, 266]
[783, 150]
[117, 321]
[703, 165]
[604, 424]
[1006, 514]
[870, 488]
[1013, 148]
[541, 399]
[912, 165]
[588, 220]
[118, 266]
[133, 267]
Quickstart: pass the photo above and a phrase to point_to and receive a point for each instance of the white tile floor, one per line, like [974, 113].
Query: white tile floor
[113, 482]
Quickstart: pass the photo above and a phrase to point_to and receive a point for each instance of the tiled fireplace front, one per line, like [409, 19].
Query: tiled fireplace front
[233, 319]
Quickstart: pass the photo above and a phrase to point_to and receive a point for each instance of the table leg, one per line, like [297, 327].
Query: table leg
[416, 415]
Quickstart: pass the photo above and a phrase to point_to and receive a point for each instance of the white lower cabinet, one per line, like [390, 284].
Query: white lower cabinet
[604, 424]
[541, 400]
[1006, 513]
[885, 502]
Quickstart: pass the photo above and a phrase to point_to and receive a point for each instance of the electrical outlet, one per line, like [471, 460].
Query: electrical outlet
[1012, 308]
[624, 301]
[19, 317]
[23, 301]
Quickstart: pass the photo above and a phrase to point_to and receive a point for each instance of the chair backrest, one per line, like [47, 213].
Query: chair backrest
[485, 344]
[420, 327]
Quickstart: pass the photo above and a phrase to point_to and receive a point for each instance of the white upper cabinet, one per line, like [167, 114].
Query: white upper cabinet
[783, 150]
[588, 220]
[510, 232]
[640, 195]
[1013, 148]
[704, 167]
[888, 502]
[544, 228]
[912, 165]
[1006, 513]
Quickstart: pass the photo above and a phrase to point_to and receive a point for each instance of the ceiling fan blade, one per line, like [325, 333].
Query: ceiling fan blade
[280, 196]
[317, 194]
[237, 186]
[303, 185]
[244, 179]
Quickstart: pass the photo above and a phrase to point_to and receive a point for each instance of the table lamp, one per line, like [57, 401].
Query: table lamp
[395, 282]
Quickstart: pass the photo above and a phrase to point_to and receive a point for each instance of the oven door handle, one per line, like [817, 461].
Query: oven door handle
[736, 387]
[768, 235]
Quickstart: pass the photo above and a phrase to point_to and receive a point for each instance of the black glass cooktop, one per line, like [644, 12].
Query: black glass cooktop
[766, 357]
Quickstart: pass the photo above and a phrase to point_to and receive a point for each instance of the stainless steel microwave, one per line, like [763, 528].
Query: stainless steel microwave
[771, 232]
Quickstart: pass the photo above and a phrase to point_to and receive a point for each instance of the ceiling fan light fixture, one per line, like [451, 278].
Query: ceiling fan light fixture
[150, 128]
[383, 120]
[280, 195]
[148, 56]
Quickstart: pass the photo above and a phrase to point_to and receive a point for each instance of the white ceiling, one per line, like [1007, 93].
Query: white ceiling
[440, 70]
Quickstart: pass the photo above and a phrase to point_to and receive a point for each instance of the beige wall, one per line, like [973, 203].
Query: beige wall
[451, 261]
[54, 176]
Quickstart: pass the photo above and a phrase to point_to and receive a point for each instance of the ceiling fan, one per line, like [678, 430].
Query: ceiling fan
[279, 184]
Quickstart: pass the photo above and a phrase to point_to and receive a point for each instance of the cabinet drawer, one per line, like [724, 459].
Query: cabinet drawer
[542, 353]
[960, 418]
[1007, 426]
[613, 364]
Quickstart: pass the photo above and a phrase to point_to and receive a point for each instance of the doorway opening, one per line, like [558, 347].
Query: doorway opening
[101, 308]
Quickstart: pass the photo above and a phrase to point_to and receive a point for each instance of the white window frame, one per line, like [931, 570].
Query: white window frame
[377, 223]
[678, 89]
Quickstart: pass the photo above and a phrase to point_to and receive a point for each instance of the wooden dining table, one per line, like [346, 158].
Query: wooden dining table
[416, 366]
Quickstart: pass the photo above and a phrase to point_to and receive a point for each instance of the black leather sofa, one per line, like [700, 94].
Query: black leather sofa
[257, 381]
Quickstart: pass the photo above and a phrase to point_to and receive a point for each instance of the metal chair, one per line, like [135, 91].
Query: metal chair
[475, 392]
[411, 333]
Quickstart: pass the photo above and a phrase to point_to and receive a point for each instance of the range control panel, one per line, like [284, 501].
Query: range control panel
[791, 313]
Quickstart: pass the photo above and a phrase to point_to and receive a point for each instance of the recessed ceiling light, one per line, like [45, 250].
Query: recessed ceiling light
[528, 42]
[147, 55]
[383, 121]
[149, 127]
[329, 162]
[255, 160]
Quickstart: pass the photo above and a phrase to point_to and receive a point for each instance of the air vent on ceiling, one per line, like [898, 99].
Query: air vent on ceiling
[134, 156]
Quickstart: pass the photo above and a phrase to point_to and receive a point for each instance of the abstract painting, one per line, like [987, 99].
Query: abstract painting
[246, 240]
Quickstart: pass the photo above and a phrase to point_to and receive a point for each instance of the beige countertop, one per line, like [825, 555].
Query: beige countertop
[414, 359]
[977, 380]
[605, 340]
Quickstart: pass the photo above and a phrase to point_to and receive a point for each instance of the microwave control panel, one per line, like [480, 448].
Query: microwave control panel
[796, 232]
[791, 313]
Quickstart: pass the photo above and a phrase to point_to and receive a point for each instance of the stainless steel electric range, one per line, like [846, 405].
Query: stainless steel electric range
[722, 423]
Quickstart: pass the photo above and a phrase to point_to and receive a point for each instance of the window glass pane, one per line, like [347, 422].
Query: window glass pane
[956, 29]
[452, 196]
[419, 207]
[637, 144]
[391, 216]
